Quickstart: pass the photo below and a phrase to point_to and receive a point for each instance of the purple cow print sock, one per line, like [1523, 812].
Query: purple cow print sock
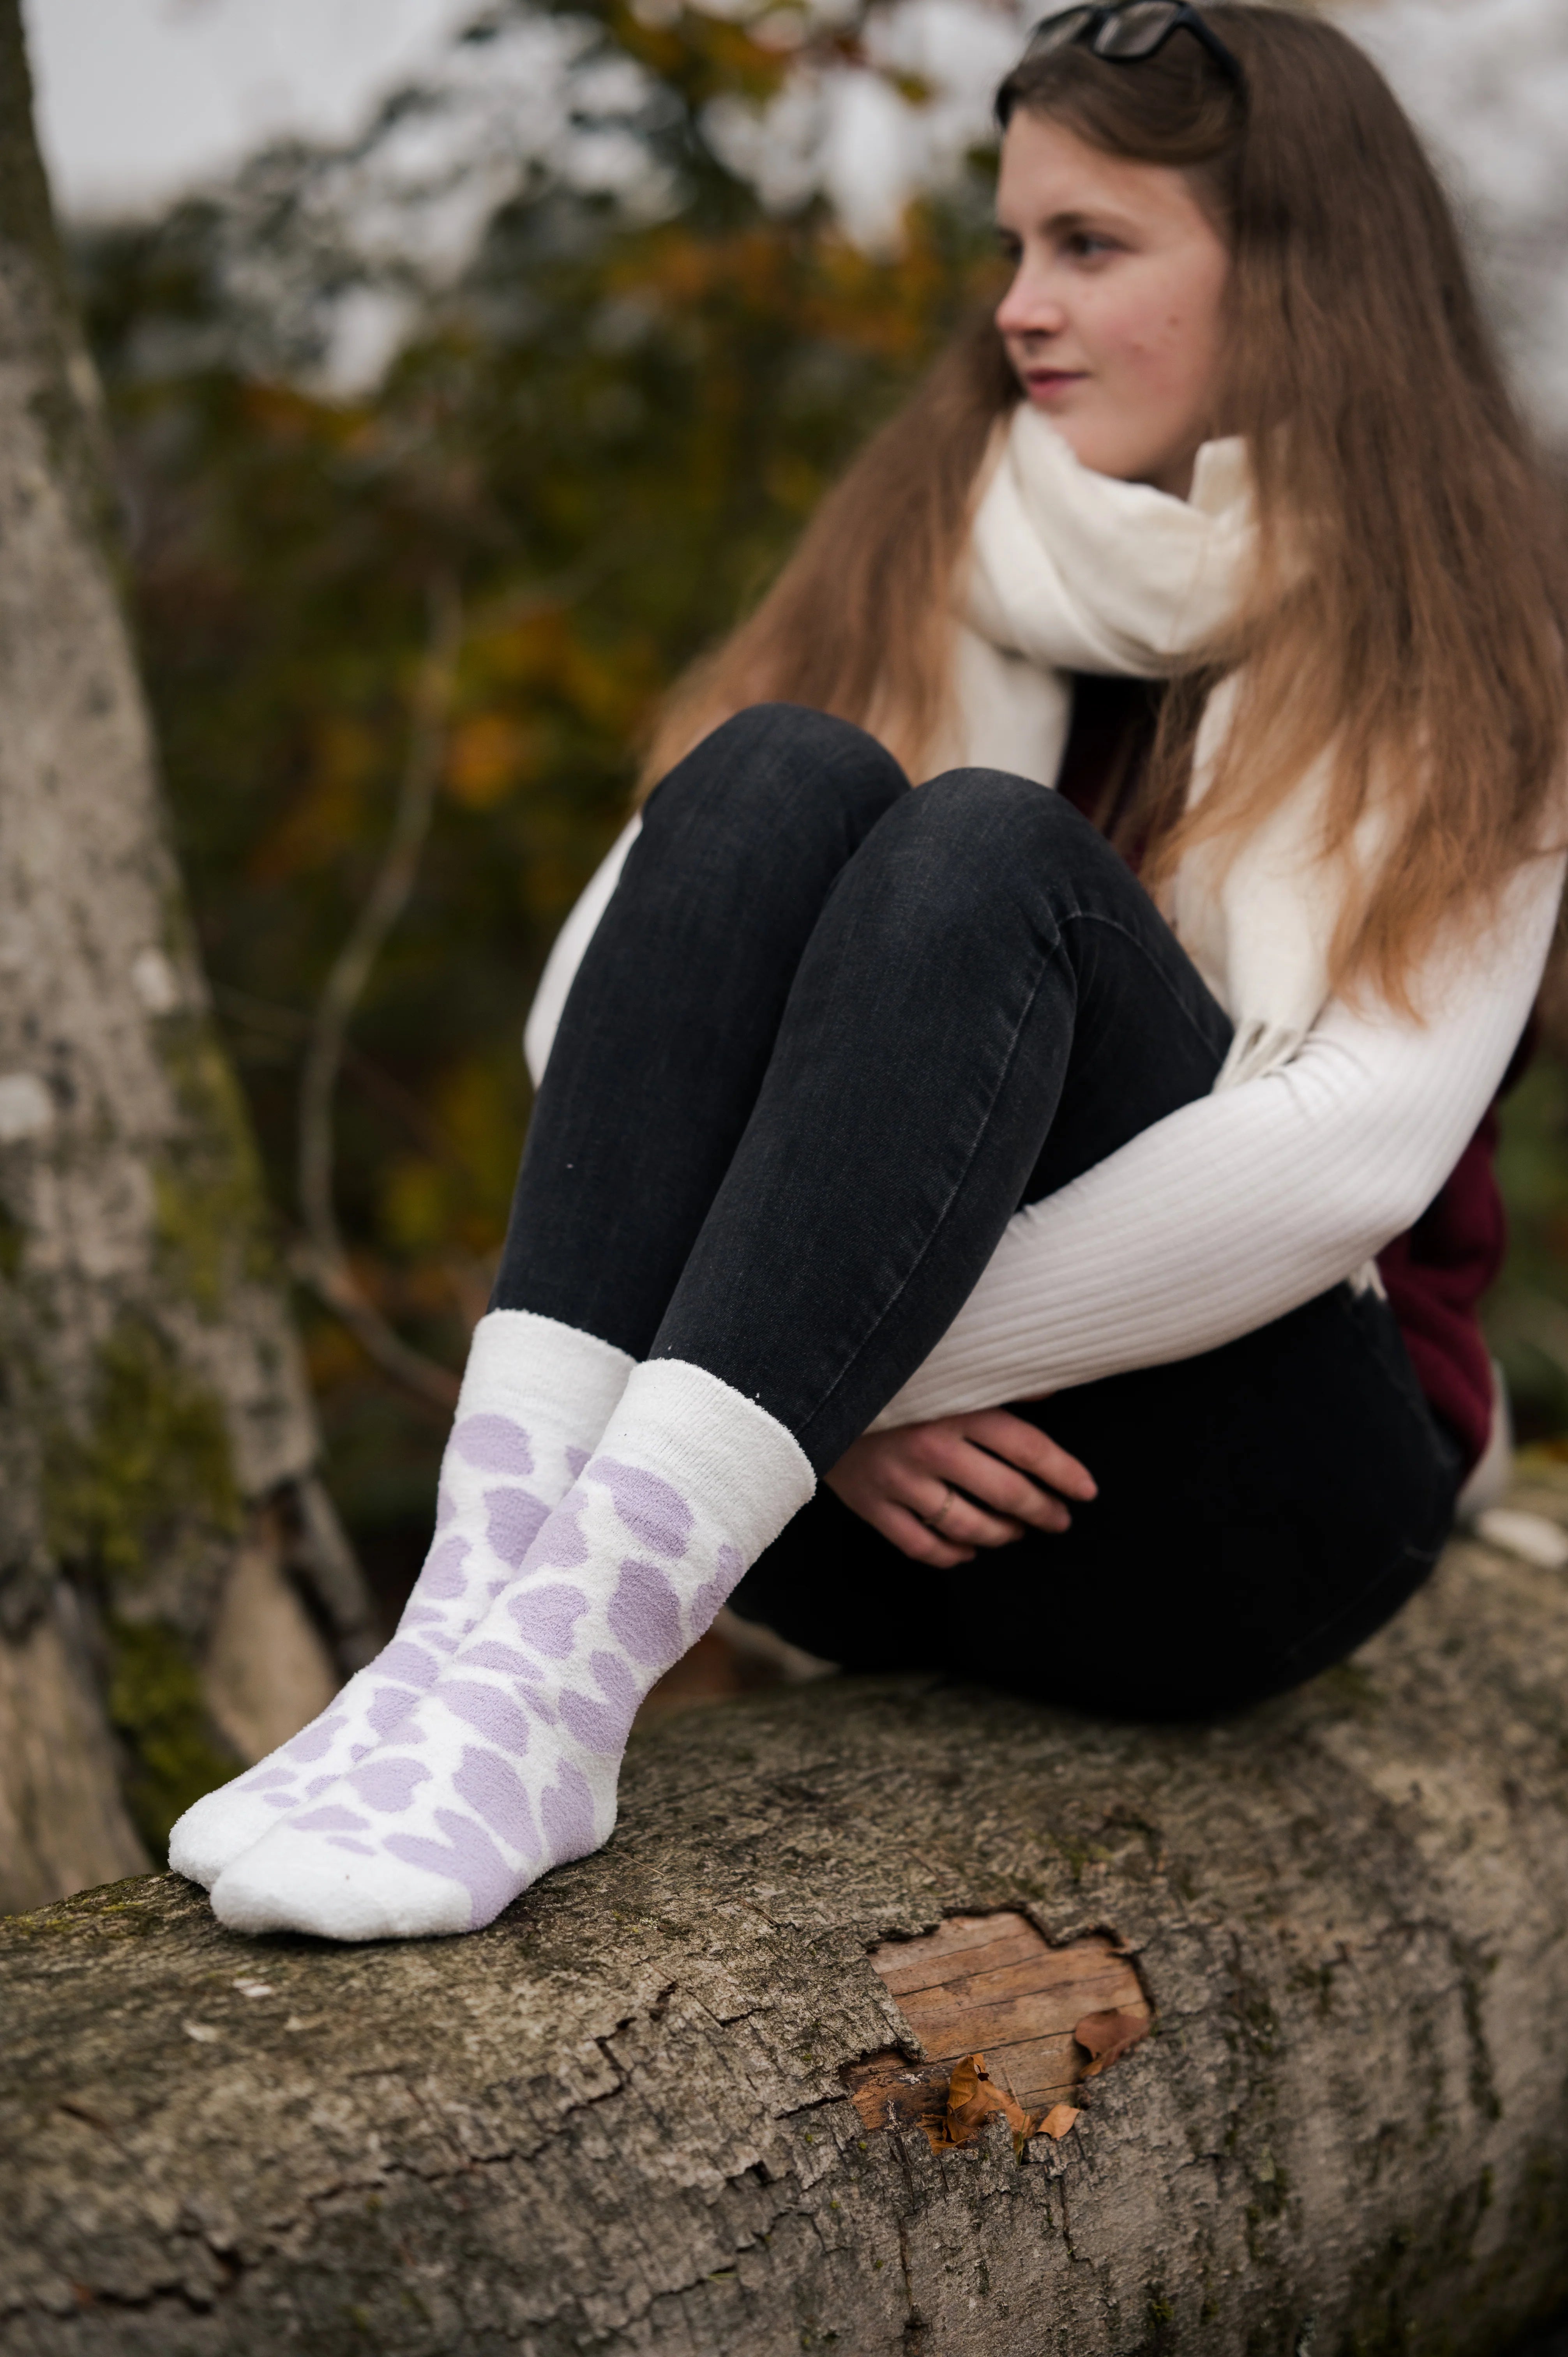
[508, 1763]
[535, 1398]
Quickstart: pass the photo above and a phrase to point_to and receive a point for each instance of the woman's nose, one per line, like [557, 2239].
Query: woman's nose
[1030, 307]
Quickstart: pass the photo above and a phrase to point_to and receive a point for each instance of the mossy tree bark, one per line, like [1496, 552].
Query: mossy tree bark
[156, 1443]
[617, 2120]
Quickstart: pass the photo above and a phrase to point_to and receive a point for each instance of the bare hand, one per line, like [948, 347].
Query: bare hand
[940, 1490]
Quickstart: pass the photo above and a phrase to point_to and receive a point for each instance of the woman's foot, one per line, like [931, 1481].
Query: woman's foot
[535, 1398]
[509, 1765]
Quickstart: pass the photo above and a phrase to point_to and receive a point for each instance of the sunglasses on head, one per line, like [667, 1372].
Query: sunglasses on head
[1125, 32]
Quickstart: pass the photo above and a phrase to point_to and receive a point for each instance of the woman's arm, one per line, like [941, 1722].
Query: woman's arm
[566, 957]
[1243, 1206]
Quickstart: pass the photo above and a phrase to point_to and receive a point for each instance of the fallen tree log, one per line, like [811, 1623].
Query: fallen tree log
[640, 2112]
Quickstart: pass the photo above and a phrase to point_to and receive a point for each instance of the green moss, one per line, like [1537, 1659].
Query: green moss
[155, 1704]
[1349, 1687]
[150, 1486]
[211, 1219]
[155, 1468]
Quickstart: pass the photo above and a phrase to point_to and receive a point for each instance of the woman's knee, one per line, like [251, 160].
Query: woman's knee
[784, 764]
[989, 825]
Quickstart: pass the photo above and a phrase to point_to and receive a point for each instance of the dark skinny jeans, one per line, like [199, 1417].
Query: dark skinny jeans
[829, 1036]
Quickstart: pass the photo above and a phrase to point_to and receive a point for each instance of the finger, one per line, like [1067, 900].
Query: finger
[918, 1540]
[953, 1516]
[1025, 1446]
[1005, 1491]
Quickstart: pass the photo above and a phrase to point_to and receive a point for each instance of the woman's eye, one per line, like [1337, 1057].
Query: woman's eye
[1085, 246]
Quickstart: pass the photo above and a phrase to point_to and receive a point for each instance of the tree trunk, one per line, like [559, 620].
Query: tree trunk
[638, 2113]
[155, 1428]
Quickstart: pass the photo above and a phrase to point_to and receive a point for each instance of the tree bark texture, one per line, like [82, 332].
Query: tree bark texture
[618, 2121]
[153, 1402]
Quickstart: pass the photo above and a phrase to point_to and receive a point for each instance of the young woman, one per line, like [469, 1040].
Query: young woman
[1011, 1161]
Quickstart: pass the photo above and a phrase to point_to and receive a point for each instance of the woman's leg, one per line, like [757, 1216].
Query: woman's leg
[1261, 1510]
[660, 1053]
[671, 1018]
[921, 1058]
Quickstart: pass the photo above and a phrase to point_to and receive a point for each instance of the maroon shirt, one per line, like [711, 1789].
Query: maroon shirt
[1436, 1273]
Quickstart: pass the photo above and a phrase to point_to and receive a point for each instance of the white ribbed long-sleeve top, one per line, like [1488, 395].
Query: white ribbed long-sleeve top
[1236, 1208]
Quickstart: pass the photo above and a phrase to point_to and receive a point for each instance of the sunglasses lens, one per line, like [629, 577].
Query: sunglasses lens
[1060, 32]
[1136, 31]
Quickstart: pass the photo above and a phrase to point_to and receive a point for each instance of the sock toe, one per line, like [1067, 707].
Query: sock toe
[295, 1886]
[216, 1831]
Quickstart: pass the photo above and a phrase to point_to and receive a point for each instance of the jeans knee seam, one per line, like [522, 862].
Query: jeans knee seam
[1080, 915]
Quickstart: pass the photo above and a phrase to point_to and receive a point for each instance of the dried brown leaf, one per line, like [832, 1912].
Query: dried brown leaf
[973, 2095]
[1108, 2036]
[1059, 2119]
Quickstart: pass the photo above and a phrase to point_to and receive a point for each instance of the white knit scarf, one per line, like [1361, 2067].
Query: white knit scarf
[1074, 571]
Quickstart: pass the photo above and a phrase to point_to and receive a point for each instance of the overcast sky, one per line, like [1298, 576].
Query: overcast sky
[139, 98]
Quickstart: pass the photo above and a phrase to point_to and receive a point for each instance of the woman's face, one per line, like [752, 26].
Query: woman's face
[1113, 320]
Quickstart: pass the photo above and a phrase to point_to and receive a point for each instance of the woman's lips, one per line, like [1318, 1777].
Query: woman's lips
[1045, 383]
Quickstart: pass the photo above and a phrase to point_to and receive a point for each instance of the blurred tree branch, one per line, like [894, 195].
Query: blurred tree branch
[322, 1260]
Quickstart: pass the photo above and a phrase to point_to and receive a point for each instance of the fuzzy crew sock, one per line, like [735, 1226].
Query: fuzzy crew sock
[535, 1398]
[508, 1765]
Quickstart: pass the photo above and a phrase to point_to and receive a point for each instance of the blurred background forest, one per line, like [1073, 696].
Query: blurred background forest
[443, 446]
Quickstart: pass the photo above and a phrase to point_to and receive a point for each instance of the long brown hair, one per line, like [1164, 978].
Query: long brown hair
[1408, 610]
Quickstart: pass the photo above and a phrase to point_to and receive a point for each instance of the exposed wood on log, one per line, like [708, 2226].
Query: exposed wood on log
[991, 1984]
[617, 2121]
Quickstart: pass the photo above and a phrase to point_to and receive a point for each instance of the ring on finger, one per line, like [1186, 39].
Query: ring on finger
[934, 1522]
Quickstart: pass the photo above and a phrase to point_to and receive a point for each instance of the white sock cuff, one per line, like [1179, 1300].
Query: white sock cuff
[751, 1473]
[516, 1355]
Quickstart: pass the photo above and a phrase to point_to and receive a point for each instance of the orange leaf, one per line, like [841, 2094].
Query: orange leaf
[1058, 2119]
[1109, 2035]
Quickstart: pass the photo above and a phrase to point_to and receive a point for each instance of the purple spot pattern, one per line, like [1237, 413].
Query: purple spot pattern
[598, 1725]
[492, 1789]
[317, 1785]
[491, 1656]
[575, 1459]
[330, 1820]
[443, 1573]
[546, 1617]
[612, 1677]
[280, 1799]
[315, 1740]
[405, 1661]
[269, 1773]
[494, 1818]
[389, 1710]
[513, 1519]
[494, 1444]
[645, 1614]
[713, 1592]
[488, 1711]
[651, 1511]
[470, 1858]
[388, 1785]
[445, 1505]
[566, 1814]
[561, 1545]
